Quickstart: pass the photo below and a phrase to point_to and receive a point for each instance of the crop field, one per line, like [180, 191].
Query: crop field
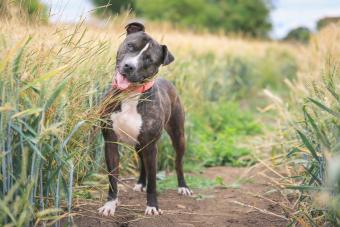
[247, 103]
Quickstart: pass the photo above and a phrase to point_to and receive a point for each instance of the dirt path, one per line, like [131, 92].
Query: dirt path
[216, 207]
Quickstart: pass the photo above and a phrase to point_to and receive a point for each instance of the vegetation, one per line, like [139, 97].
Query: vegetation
[300, 34]
[319, 149]
[37, 124]
[170, 182]
[32, 10]
[250, 18]
[114, 6]
[50, 99]
[50, 95]
[322, 23]
[33, 7]
[314, 131]
[319, 133]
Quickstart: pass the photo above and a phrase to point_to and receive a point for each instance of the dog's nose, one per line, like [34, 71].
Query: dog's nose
[128, 68]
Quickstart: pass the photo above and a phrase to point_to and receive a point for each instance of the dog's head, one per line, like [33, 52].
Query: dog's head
[139, 57]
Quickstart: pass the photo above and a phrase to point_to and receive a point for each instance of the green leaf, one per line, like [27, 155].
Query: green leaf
[320, 135]
[18, 59]
[293, 151]
[309, 146]
[4, 208]
[46, 76]
[11, 53]
[55, 94]
[325, 108]
[27, 112]
[80, 123]
[314, 177]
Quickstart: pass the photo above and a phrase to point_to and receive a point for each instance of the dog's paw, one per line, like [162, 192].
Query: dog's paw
[109, 208]
[139, 188]
[184, 191]
[153, 211]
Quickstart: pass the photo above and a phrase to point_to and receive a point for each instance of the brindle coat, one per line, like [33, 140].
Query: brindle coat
[159, 108]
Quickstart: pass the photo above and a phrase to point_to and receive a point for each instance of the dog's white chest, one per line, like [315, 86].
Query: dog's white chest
[127, 122]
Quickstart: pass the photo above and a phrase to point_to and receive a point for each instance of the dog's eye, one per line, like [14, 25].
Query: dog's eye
[130, 47]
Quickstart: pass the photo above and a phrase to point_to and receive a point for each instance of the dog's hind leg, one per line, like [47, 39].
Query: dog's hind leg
[141, 183]
[175, 129]
[112, 162]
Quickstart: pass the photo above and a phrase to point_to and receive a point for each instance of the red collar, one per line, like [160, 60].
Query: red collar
[138, 89]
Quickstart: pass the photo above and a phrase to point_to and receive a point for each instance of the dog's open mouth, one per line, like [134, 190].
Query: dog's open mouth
[121, 81]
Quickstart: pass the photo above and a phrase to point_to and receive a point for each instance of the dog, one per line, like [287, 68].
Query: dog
[149, 106]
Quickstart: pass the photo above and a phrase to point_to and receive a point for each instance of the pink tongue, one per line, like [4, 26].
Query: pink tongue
[122, 82]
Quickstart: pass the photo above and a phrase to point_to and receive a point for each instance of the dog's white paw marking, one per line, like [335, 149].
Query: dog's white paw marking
[109, 208]
[153, 211]
[139, 188]
[184, 191]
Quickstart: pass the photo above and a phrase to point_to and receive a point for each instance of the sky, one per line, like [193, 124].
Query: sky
[290, 14]
[286, 15]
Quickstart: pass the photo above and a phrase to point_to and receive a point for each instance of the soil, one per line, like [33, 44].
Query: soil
[252, 203]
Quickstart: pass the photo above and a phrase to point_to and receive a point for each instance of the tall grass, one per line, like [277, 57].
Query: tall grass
[312, 136]
[30, 10]
[319, 133]
[52, 82]
[44, 103]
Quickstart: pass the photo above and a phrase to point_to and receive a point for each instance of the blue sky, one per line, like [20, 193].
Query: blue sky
[290, 14]
[286, 15]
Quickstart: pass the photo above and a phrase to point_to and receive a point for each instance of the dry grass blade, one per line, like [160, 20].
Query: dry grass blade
[260, 210]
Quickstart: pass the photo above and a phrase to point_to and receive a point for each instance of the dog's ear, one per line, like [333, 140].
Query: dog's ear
[134, 26]
[167, 56]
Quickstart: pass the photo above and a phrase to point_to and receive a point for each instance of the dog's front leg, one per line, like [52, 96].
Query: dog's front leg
[141, 183]
[112, 162]
[150, 163]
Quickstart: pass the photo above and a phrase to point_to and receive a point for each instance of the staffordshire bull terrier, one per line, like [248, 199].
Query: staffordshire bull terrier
[148, 106]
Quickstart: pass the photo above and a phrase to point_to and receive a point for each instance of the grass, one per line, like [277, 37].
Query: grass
[29, 10]
[53, 79]
[318, 152]
[170, 182]
[196, 182]
[311, 124]
[38, 97]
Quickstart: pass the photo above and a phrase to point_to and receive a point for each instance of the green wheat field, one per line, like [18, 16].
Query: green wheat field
[247, 101]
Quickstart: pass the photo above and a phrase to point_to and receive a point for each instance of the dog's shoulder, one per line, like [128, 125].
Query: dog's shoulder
[167, 88]
[163, 83]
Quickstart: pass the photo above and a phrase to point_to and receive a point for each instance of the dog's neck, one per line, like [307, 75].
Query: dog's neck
[137, 89]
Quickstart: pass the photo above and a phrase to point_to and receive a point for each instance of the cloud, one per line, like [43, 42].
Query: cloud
[290, 14]
[69, 10]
